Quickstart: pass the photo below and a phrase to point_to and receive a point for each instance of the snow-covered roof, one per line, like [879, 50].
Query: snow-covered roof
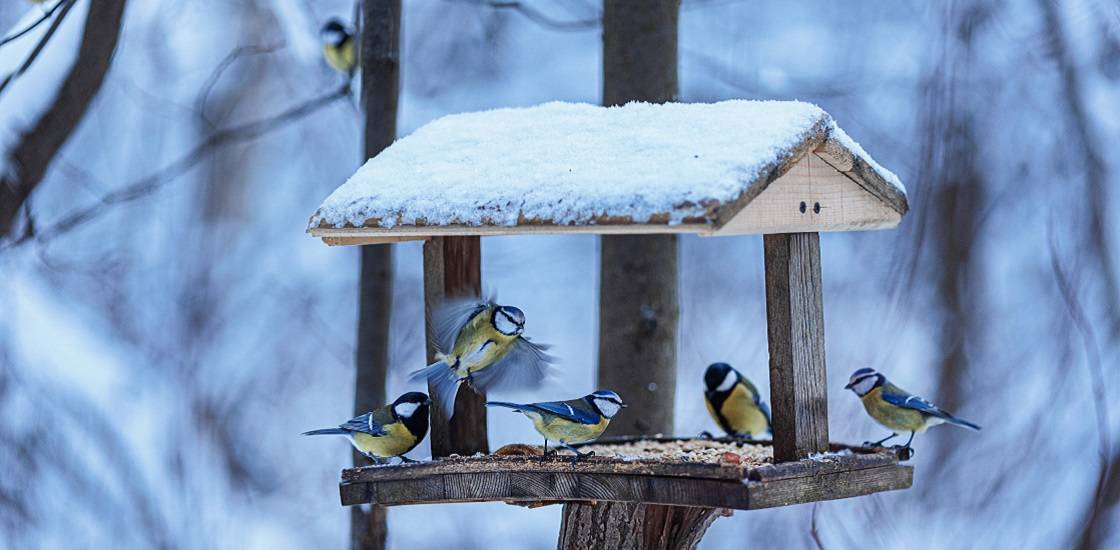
[564, 167]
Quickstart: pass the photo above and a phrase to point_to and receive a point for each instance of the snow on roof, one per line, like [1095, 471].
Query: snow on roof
[581, 164]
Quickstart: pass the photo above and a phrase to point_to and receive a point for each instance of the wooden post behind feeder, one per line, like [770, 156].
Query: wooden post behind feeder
[781, 169]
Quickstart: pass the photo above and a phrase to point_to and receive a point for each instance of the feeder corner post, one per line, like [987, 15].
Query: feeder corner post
[795, 330]
[453, 269]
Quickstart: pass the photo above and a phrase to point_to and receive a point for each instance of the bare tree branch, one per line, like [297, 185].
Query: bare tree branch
[216, 75]
[153, 182]
[538, 17]
[39, 47]
[39, 21]
[1096, 176]
[37, 148]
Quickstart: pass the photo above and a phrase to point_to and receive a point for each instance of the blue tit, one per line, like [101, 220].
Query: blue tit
[896, 408]
[338, 47]
[570, 422]
[734, 402]
[392, 430]
[481, 344]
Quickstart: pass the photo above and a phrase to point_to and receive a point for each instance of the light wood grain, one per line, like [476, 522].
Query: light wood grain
[795, 329]
[812, 196]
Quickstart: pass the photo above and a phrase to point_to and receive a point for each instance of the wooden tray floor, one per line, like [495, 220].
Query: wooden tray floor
[529, 480]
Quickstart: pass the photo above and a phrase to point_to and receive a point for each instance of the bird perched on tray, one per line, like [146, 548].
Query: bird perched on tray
[392, 430]
[897, 409]
[338, 46]
[481, 344]
[570, 422]
[734, 402]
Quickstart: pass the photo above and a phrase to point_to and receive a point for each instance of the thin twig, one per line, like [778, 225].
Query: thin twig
[216, 75]
[67, 4]
[37, 22]
[536, 16]
[152, 183]
[1092, 361]
[813, 531]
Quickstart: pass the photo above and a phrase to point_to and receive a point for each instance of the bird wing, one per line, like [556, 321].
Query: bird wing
[570, 410]
[524, 366]
[449, 318]
[371, 423]
[762, 406]
[901, 398]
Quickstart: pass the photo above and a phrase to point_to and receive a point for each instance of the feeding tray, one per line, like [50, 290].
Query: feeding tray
[685, 472]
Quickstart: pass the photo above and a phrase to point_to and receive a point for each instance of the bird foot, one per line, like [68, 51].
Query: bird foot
[706, 435]
[905, 452]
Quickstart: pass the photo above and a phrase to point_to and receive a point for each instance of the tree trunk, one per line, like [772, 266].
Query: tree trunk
[629, 526]
[638, 299]
[379, 41]
[638, 307]
[36, 149]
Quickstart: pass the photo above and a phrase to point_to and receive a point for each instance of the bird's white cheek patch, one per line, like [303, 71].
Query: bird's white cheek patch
[728, 382]
[505, 326]
[406, 410]
[608, 408]
[865, 385]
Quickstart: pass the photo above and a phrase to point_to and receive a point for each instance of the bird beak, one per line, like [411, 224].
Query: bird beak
[849, 386]
[624, 405]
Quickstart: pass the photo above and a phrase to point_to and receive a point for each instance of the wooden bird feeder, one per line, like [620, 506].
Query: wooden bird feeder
[781, 169]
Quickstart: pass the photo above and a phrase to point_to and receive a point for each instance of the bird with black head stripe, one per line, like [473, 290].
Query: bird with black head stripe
[481, 344]
[390, 431]
[735, 403]
[897, 409]
[339, 47]
[570, 422]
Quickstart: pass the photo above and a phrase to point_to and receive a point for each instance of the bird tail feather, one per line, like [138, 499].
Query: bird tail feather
[444, 384]
[962, 423]
[327, 431]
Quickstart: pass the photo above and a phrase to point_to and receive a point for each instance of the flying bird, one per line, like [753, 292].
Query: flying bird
[481, 344]
[896, 408]
[392, 430]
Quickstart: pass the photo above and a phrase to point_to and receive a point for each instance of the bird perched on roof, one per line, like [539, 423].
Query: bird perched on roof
[481, 344]
[734, 402]
[392, 430]
[338, 46]
[572, 421]
[896, 408]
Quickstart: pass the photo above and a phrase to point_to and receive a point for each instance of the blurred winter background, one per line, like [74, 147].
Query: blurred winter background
[168, 329]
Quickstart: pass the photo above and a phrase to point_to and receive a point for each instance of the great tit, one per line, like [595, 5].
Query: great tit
[392, 430]
[896, 408]
[569, 422]
[734, 402]
[338, 46]
[481, 344]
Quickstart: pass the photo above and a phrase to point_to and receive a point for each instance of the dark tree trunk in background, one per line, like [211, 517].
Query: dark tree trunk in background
[638, 297]
[958, 198]
[37, 148]
[380, 65]
[638, 307]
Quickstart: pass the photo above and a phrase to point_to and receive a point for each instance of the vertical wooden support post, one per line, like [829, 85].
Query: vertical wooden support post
[638, 300]
[453, 268]
[795, 327]
[379, 27]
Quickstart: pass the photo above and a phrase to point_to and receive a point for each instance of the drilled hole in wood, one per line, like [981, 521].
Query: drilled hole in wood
[802, 207]
[816, 208]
